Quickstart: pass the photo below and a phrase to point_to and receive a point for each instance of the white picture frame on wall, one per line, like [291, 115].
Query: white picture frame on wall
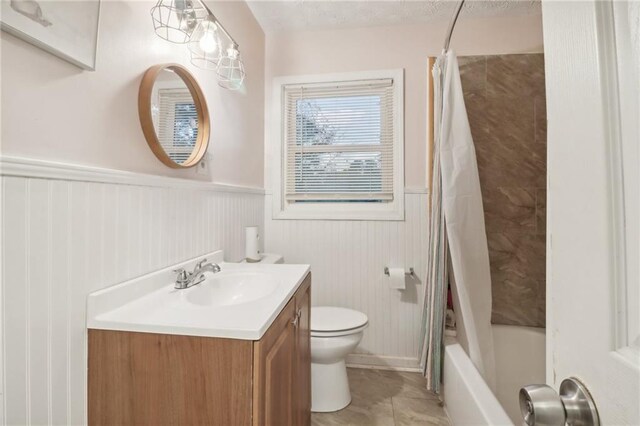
[66, 29]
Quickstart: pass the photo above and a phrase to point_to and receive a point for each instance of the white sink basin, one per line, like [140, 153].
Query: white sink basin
[231, 288]
[239, 302]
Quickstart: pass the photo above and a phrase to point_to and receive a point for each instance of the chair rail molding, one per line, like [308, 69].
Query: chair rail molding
[45, 169]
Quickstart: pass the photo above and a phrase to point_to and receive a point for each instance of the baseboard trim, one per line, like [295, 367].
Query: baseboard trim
[43, 169]
[377, 362]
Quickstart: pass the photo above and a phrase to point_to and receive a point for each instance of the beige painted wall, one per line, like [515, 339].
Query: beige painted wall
[53, 110]
[330, 51]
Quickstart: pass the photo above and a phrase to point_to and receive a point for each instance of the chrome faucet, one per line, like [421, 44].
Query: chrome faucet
[186, 279]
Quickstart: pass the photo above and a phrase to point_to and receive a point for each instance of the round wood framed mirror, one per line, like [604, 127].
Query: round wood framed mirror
[173, 115]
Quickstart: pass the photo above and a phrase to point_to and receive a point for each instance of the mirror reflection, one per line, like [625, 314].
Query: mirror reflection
[174, 115]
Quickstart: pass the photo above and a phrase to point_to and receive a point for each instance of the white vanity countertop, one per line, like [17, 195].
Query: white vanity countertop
[151, 304]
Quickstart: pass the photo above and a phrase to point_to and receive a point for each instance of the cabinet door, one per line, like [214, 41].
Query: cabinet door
[274, 364]
[162, 379]
[302, 374]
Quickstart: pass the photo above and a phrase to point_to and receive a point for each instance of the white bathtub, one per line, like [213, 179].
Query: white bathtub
[520, 360]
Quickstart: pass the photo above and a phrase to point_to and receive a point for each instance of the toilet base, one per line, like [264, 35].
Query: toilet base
[329, 387]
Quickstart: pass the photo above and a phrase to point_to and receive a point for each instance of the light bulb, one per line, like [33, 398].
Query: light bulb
[208, 42]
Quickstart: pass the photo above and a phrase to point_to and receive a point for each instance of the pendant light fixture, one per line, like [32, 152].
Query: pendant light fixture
[205, 46]
[175, 20]
[231, 69]
[193, 23]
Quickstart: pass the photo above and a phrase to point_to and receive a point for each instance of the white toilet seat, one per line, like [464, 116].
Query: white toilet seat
[338, 333]
[331, 321]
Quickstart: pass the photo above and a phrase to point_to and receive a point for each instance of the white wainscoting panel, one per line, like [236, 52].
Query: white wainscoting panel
[63, 239]
[347, 263]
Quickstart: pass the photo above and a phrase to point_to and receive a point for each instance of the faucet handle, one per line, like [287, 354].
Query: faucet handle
[182, 280]
[182, 274]
[200, 263]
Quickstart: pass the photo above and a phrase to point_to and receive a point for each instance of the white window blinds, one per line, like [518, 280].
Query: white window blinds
[177, 123]
[338, 140]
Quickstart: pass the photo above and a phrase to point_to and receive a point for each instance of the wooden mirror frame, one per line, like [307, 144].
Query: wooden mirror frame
[144, 111]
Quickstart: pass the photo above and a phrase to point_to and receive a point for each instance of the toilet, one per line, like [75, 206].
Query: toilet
[335, 333]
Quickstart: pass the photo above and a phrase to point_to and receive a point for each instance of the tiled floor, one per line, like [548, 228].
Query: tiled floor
[391, 398]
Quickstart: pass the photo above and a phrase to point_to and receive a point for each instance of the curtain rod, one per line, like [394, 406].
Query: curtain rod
[452, 25]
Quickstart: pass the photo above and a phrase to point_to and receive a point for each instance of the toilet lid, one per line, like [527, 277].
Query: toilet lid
[331, 318]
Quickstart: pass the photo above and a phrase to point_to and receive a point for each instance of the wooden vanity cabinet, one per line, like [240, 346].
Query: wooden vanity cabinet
[161, 379]
[302, 371]
[282, 366]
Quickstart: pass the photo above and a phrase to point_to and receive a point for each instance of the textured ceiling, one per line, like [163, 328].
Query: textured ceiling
[315, 14]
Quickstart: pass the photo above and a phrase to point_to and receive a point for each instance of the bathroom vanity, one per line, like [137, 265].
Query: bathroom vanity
[233, 350]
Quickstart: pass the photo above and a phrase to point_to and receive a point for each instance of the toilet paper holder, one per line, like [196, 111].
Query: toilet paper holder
[411, 273]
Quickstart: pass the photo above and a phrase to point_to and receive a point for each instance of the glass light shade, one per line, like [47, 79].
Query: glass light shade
[175, 20]
[231, 70]
[205, 45]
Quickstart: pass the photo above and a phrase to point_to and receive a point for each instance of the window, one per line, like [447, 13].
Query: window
[341, 147]
[178, 123]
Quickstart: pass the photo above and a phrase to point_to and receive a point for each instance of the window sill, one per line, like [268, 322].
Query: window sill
[338, 211]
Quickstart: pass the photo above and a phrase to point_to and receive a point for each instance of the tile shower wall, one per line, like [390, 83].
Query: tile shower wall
[505, 100]
[64, 239]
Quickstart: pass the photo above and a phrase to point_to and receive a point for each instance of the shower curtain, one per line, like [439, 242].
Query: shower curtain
[458, 218]
[437, 269]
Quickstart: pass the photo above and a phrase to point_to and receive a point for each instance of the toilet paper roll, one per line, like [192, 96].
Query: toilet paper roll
[396, 278]
[251, 251]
